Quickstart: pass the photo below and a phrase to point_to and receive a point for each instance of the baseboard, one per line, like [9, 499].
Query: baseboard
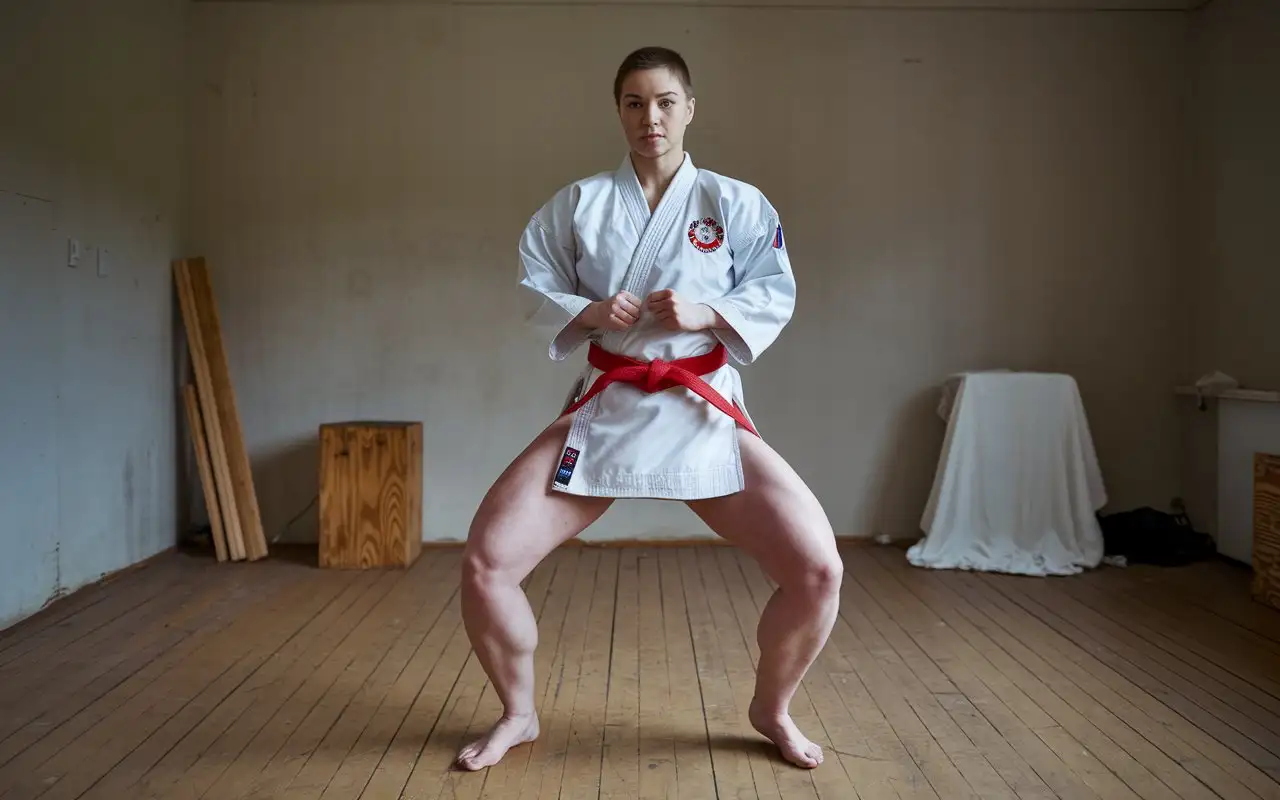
[692, 541]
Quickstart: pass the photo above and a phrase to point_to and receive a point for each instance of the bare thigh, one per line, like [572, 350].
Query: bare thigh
[776, 519]
[521, 519]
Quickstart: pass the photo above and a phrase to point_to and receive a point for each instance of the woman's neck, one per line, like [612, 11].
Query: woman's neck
[655, 174]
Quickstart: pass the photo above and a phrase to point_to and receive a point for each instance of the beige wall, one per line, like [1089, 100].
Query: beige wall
[88, 432]
[962, 190]
[1236, 199]
[1233, 276]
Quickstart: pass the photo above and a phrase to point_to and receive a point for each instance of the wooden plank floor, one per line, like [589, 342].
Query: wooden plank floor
[186, 679]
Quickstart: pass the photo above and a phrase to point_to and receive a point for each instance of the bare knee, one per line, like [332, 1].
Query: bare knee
[475, 569]
[481, 570]
[488, 557]
[818, 579]
[485, 566]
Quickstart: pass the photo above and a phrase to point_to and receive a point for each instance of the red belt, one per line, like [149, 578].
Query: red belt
[656, 375]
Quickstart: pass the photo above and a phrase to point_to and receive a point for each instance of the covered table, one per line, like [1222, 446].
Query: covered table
[1017, 485]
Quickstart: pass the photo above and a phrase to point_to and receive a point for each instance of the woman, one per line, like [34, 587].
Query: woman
[667, 270]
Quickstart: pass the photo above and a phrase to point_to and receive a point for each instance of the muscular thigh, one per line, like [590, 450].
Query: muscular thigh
[776, 519]
[521, 519]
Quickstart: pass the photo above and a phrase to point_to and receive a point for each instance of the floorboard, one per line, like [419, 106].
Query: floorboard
[190, 679]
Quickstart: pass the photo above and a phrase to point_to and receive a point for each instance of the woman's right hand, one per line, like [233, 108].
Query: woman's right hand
[615, 313]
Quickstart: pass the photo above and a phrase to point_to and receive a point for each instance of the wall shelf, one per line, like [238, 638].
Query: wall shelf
[1251, 395]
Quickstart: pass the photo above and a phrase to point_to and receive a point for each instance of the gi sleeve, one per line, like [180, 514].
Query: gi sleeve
[764, 295]
[548, 276]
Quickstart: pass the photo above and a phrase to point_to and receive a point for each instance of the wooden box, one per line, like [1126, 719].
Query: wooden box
[1266, 529]
[370, 494]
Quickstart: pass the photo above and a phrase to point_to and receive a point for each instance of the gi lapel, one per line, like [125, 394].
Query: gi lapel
[654, 228]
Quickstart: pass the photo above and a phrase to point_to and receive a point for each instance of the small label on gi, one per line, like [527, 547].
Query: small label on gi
[567, 463]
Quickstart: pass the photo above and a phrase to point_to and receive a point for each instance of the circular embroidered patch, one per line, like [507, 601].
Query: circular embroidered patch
[706, 234]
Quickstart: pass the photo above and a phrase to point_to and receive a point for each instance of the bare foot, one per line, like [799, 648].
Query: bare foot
[779, 729]
[505, 734]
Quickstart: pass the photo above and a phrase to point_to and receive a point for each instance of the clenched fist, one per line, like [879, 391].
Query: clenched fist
[673, 312]
[615, 313]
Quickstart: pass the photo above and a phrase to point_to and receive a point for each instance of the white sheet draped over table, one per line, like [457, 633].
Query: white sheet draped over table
[1018, 484]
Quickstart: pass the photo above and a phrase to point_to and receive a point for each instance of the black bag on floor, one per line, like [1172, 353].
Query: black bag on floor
[1148, 536]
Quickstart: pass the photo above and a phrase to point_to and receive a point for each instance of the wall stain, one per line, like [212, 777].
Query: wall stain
[128, 481]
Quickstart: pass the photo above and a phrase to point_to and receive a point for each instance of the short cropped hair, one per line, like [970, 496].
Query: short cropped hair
[652, 58]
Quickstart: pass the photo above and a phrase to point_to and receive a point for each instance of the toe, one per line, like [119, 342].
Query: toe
[472, 758]
[799, 757]
[812, 755]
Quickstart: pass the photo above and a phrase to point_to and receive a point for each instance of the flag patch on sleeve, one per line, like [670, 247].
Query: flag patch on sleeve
[777, 237]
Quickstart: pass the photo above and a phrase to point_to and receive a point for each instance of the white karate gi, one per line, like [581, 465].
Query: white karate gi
[712, 240]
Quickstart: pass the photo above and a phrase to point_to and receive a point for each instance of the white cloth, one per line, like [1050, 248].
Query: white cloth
[712, 240]
[1017, 484]
[951, 387]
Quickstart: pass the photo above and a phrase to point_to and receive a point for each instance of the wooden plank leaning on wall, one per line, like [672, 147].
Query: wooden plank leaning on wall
[232, 477]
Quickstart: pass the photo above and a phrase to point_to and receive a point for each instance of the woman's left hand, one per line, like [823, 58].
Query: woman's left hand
[673, 312]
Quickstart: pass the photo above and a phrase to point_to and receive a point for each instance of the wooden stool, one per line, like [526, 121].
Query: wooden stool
[370, 494]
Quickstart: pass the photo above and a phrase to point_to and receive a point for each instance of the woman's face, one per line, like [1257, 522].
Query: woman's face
[655, 110]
